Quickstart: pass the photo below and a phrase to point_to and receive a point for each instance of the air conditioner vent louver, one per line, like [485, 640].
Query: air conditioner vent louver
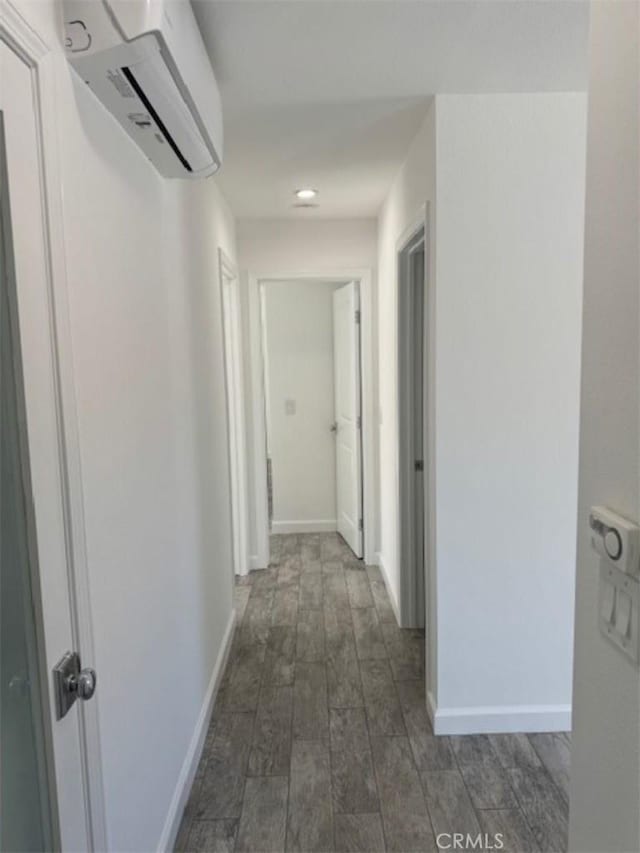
[145, 122]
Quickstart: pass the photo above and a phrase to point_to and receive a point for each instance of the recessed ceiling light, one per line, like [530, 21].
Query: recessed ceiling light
[306, 193]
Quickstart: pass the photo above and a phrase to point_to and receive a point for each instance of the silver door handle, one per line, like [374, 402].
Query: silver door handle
[84, 684]
[72, 682]
[334, 427]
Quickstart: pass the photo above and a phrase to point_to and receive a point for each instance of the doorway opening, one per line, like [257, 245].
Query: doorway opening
[311, 346]
[413, 435]
[312, 407]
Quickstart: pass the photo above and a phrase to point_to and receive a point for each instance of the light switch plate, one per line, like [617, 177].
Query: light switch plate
[624, 589]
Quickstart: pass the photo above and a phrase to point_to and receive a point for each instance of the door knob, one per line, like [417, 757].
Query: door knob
[84, 684]
[334, 427]
[72, 682]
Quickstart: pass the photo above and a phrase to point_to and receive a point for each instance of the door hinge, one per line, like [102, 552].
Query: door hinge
[359, 422]
[419, 465]
[357, 316]
[361, 524]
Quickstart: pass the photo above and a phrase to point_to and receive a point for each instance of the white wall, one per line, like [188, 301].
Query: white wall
[305, 245]
[148, 361]
[510, 214]
[414, 187]
[280, 247]
[605, 759]
[299, 345]
[503, 177]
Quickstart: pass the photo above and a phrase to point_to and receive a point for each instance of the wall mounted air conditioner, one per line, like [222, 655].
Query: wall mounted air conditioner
[146, 61]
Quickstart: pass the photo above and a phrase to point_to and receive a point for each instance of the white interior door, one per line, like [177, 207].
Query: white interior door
[42, 790]
[348, 432]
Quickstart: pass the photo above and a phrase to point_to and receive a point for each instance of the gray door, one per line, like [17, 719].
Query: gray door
[412, 399]
[25, 809]
[416, 267]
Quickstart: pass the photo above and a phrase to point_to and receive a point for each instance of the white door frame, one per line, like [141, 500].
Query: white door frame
[231, 325]
[257, 392]
[408, 611]
[41, 58]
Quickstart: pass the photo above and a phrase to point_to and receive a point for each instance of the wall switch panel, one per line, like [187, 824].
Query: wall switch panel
[619, 609]
[289, 407]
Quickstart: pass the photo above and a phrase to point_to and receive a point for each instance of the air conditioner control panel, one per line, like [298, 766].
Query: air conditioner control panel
[616, 539]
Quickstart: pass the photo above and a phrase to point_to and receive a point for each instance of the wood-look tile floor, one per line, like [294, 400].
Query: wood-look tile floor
[320, 740]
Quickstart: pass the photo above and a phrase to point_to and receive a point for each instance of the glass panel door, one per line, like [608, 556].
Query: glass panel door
[25, 809]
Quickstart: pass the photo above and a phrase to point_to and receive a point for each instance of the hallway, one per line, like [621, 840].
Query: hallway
[320, 739]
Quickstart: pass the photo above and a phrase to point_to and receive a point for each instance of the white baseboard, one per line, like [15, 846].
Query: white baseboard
[486, 720]
[312, 526]
[190, 765]
[501, 719]
[390, 592]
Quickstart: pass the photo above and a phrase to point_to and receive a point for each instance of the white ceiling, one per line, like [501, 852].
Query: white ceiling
[330, 93]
